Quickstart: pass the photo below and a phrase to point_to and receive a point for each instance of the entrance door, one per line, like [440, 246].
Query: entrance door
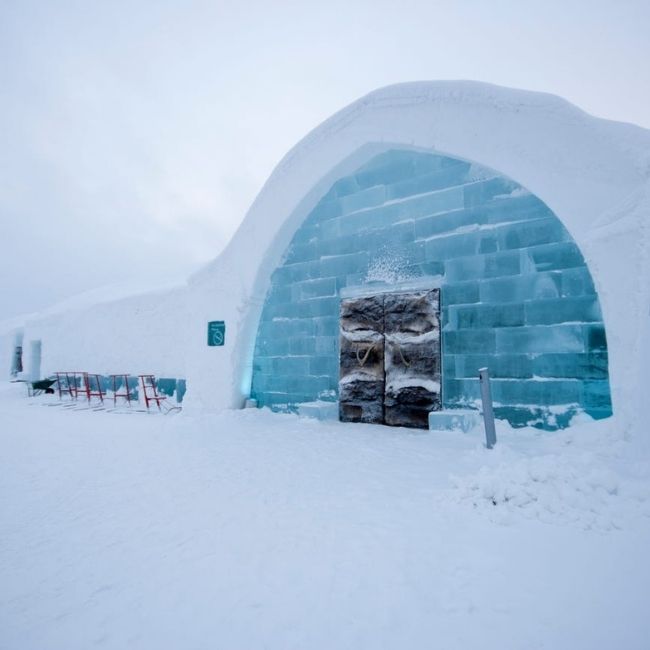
[412, 358]
[390, 358]
[362, 376]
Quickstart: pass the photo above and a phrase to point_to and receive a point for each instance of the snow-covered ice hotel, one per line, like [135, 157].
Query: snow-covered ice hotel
[424, 232]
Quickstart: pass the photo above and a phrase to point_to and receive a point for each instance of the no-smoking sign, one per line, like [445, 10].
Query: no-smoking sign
[216, 333]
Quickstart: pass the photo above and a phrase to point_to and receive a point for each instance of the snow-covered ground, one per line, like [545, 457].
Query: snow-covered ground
[249, 530]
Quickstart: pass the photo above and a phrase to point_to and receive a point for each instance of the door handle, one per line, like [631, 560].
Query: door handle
[362, 359]
[401, 354]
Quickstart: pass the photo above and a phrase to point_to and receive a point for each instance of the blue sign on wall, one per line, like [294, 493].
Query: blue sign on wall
[216, 332]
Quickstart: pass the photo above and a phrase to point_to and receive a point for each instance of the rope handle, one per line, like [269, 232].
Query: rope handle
[401, 354]
[369, 349]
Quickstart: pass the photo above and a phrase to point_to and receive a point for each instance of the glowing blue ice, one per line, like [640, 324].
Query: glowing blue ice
[517, 296]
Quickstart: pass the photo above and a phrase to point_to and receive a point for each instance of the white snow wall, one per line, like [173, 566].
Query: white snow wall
[592, 173]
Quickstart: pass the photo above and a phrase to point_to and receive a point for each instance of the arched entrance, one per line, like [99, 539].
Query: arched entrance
[515, 292]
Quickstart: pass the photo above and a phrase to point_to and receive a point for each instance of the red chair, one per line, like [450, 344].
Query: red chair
[66, 384]
[125, 382]
[90, 386]
[149, 392]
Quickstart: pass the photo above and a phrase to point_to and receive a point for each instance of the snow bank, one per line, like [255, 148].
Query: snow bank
[589, 477]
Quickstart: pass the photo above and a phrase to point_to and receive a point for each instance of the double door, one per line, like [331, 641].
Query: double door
[390, 358]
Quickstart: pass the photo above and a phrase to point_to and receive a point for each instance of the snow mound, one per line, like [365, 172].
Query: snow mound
[594, 485]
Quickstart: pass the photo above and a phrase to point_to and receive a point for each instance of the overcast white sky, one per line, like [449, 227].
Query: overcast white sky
[134, 135]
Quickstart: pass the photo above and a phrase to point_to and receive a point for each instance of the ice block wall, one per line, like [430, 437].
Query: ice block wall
[516, 293]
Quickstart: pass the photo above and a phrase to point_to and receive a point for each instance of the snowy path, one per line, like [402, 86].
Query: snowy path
[246, 531]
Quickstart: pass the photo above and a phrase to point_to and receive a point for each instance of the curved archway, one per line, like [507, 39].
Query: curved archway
[517, 295]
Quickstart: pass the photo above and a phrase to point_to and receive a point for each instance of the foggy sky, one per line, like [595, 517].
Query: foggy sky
[134, 136]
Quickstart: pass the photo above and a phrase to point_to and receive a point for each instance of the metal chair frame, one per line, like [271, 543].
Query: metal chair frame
[149, 392]
[127, 393]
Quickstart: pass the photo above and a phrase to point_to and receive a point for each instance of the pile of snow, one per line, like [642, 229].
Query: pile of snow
[587, 476]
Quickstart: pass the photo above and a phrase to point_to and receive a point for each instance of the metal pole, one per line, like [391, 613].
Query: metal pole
[488, 412]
